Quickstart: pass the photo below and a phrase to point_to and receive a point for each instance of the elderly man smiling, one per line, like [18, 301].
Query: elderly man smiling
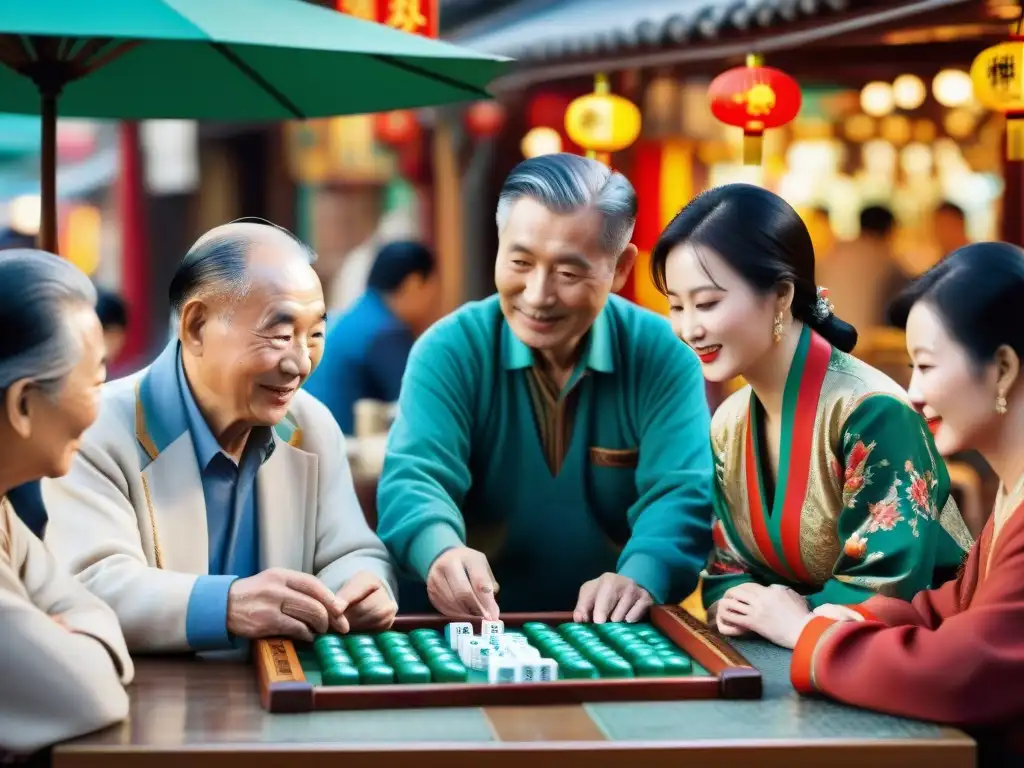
[552, 439]
[212, 499]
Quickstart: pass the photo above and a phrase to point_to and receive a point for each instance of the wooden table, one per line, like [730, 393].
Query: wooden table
[206, 714]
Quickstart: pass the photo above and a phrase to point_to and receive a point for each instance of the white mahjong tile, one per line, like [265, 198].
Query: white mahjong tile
[492, 627]
[454, 630]
[547, 670]
[504, 670]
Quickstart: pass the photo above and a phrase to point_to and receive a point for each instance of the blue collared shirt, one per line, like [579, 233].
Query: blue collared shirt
[364, 357]
[229, 490]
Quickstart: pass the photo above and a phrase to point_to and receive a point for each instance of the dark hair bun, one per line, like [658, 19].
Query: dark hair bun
[835, 331]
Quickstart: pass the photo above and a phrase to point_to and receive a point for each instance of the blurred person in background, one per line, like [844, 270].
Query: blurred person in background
[862, 275]
[113, 314]
[12, 238]
[368, 346]
[64, 663]
[949, 223]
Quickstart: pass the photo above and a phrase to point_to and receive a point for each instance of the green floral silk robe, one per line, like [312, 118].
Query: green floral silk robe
[861, 504]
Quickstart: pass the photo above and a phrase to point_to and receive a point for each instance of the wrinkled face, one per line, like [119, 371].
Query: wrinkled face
[715, 311]
[255, 352]
[552, 275]
[58, 420]
[955, 396]
[114, 337]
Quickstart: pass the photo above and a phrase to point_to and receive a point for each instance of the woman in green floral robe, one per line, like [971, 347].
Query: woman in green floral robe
[827, 479]
[861, 504]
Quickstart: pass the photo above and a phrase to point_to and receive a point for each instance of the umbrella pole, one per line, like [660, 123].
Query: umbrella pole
[48, 174]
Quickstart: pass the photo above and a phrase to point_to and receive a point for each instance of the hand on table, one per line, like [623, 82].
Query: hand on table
[283, 602]
[369, 606]
[611, 597]
[776, 614]
[460, 583]
[837, 612]
[723, 626]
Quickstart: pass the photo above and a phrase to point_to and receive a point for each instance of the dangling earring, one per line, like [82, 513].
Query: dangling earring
[777, 328]
[1001, 405]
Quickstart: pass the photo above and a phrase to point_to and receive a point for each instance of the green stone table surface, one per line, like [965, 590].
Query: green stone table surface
[781, 714]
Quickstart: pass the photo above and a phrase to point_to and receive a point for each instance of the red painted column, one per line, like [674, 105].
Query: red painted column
[134, 256]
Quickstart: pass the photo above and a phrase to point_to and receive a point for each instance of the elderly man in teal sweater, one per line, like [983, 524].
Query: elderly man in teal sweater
[550, 449]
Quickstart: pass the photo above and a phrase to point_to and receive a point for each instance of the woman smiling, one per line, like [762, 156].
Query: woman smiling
[953, 654]
[64, 662]
[828, 485]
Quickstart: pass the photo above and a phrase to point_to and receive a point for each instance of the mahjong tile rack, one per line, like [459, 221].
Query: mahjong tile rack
[525, 659]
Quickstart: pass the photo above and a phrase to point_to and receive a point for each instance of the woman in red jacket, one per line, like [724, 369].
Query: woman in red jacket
[954, 654]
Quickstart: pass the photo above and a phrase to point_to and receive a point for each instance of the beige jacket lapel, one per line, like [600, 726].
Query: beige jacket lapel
[286, 488]
[177, 509]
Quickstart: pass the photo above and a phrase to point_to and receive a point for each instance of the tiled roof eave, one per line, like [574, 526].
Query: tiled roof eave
[736, 29]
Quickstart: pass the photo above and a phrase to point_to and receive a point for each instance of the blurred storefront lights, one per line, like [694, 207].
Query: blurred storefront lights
[908, 91]
[952, 88]
[916, 159]
[877, 99]
[541, 141]
[25, 213]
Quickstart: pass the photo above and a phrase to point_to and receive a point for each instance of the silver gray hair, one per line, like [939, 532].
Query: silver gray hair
[564, 183]
[38, 341]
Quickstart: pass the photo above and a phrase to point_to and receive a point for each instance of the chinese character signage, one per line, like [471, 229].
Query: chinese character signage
[998, 78]
[996, 75]
[418, 17]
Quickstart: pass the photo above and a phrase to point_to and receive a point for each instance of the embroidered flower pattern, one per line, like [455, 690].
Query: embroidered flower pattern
[912, 492]
[857, 474]
[919, 493]
[909, 498]
[884, 515]
[856, 546]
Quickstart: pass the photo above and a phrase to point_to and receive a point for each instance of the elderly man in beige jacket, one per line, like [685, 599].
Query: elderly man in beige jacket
[212, 501]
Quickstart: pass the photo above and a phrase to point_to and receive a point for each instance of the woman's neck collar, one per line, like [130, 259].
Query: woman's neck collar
[1006, 454]
[768, 376]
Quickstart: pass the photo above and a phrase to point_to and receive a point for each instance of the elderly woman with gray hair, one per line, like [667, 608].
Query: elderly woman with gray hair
[64, 663]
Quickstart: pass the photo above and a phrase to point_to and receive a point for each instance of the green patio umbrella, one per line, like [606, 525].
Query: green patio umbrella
[214, 60]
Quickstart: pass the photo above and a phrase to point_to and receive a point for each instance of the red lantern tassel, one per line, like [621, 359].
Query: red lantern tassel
[753, 145]
[1015, 136]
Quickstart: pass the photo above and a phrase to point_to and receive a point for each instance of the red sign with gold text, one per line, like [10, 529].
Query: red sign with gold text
[418, 17]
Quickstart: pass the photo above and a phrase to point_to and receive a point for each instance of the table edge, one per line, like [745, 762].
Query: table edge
[954, 738]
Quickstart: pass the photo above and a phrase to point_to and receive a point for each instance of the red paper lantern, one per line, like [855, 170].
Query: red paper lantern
[485, 119]
[754, 98]
[547, 110]
[396, 128]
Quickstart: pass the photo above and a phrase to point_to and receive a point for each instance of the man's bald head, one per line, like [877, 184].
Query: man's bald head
[219, 262]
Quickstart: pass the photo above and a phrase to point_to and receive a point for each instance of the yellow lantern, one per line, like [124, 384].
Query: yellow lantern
[998, 85]
[602, 122]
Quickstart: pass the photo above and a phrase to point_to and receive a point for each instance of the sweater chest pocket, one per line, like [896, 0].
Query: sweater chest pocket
[613, 488]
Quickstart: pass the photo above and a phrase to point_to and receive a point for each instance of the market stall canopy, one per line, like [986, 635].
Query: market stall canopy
[224, 60]
[215, 60]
